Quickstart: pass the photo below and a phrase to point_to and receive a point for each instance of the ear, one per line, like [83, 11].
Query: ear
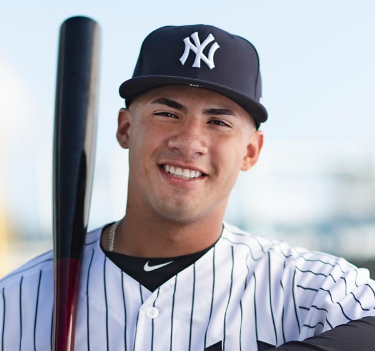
[253, 150]
[123, 129]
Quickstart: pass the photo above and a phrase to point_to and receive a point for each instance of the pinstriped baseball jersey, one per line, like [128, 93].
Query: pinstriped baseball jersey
[243, 292]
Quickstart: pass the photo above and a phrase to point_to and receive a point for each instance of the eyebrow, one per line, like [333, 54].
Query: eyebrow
[171, 104]
[180, 107]
[219, 112]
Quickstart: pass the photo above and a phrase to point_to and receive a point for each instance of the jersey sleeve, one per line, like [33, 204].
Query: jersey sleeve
[330, 292]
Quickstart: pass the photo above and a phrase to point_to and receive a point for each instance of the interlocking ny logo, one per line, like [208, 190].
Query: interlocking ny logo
[198, 50]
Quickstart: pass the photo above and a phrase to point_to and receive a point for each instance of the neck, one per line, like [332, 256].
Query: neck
[139, 236]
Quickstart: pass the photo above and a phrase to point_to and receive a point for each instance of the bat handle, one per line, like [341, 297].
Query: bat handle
[67, 272]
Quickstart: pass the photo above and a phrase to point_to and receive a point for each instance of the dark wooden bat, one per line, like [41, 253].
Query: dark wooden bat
[73, 165]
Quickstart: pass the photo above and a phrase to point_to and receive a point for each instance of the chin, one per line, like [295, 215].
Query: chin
[179, 214]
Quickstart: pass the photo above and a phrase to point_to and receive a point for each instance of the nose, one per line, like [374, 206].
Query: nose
[190, 139]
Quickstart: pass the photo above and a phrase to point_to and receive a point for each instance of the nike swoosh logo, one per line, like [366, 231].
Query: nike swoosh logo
[149, 268]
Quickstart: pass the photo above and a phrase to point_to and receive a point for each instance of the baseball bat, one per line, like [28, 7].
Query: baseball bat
[73, 165]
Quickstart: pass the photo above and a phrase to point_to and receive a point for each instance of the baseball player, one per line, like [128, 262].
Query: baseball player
[171, 275]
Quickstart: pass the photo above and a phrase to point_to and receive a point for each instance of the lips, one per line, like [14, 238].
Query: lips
[184, 173]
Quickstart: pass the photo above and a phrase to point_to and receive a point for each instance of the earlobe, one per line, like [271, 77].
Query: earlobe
[123, 128]
[253, 150]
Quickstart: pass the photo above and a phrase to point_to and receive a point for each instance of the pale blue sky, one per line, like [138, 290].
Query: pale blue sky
[317, 62]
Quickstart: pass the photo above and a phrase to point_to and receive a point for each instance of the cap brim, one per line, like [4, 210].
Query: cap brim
[133, 87]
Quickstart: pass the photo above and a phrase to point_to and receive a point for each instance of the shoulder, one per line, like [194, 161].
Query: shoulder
[236, 236]
[42, 265]
[259, 247]
[303, 261]
[32, 268]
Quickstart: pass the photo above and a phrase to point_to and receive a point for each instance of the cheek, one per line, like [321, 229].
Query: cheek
[143, 143]
[229, 158]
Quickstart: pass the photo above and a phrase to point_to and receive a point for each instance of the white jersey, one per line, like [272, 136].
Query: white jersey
[243, 292]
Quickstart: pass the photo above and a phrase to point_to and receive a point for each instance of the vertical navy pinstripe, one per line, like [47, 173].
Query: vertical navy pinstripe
[36, 308]
[241, 309]
[136, 324]
[51, 337]
[230, 294]
[152, 329]
[192, 308]
[212, 295]
[172, 313]
[270, 295]
[255, 306]
[106, 301]
[123, 298]
[87, 301]
[295, 304]
[21, 312]
[2, 337]
[283, 313]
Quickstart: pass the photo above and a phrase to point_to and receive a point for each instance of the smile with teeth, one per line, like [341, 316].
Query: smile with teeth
[182, 172]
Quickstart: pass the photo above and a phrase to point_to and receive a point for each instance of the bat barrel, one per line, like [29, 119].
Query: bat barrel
[74, 151]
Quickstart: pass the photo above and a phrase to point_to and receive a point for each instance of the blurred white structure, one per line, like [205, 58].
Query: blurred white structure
[317, 195]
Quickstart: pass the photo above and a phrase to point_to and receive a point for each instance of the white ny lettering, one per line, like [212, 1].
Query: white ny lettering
[198, 50]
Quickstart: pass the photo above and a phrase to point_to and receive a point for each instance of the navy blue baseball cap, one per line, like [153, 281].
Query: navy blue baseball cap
[200, 56]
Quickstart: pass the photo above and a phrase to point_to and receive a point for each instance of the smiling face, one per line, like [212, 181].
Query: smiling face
[186, 148]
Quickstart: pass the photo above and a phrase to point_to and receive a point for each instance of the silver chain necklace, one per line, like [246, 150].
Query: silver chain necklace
[112, 235]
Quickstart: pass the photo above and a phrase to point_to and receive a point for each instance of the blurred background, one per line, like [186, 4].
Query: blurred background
[314, 185]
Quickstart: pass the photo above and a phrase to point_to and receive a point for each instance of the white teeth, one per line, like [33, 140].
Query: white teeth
[182, 173]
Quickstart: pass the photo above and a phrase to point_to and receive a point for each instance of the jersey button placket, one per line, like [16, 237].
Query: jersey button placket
[152, 312]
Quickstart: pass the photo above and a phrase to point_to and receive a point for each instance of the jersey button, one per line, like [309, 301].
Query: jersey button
[152, 312]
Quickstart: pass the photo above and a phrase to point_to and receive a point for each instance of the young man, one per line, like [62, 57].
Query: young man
[170, 275]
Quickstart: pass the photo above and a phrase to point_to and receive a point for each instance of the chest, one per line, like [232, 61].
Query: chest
[207, 305]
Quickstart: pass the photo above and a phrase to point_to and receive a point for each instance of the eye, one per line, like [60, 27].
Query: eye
[166, 114]
[219, 122]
